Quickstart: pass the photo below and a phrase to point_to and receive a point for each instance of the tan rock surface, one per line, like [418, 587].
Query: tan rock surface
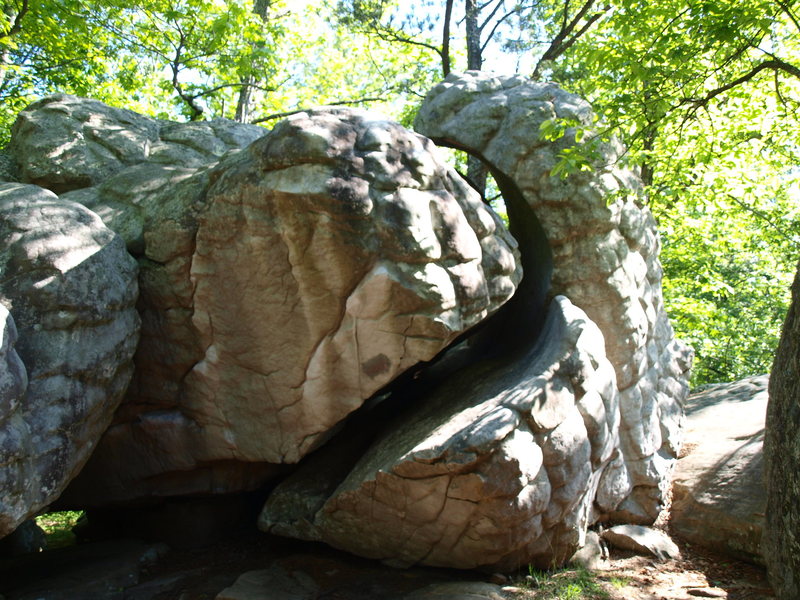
[282, 288]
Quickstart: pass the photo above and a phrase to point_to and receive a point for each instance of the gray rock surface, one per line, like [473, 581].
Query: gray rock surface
[591, 554]
[719, 497]
[63, 142]
[604, 250]
[497, 469]
[643, 540]
[781, 543]
[70, 287]
[280, 289]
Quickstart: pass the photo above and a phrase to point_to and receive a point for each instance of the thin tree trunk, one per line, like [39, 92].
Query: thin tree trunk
[476, 170]
[448, 14]
[245, 101]
[474, 57]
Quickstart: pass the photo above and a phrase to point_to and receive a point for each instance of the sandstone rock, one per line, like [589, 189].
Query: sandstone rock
[63, 142]
[604, 249]
[274, 583]
[458, 590]
[495, 470]
[592, 552]
[781, 544]
[643, 540]
[71, 287]
[365, 255]
[719, 498]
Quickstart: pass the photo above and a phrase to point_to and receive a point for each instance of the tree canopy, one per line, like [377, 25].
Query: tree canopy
[704, 93]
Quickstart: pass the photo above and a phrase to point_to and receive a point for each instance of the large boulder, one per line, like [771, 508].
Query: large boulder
[63, 142]
[604, 249]
[718, 494]
[781, 541]
[501, 467]
[280, 289]
[70, 286]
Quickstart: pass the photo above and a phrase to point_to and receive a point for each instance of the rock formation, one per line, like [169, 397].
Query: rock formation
[781, 541]
[497, 469]
[70, 287]
[308, 281]
[279, 287]
[604, 249]
[718, 493]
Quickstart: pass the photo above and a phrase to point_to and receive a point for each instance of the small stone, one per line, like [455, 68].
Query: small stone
[707, 592]
[643, 540]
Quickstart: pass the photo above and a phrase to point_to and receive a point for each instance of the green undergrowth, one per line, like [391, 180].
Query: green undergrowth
[57, 527]
[566, 584]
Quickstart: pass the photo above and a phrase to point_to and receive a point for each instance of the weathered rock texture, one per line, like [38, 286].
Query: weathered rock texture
[781, 542]
[718, 494]
[64, 142]
[604, 246]
[71, 287]
[280, 287]
[499, 468]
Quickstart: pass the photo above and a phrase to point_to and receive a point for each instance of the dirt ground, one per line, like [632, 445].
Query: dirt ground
[698, 573]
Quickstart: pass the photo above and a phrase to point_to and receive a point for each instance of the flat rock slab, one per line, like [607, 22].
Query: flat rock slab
[719, 498]
[643, 540]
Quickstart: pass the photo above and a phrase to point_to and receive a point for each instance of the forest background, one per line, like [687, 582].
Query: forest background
[704, 93]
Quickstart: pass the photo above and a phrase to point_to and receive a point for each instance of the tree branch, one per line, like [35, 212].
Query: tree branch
[486, 21]
[787, 9]
[16, 26]
[774, 64]
[517, 10]
[289, 113]
[560, 43]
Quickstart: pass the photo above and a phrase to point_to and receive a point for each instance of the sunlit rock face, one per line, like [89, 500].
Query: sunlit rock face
[69, 331]
[498, 468]
[64, 143]
[280, 287]
[605, 251]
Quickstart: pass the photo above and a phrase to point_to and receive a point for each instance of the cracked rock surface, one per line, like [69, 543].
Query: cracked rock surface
[498, 468]
[67, 294]
[604, 246]
[281, 284]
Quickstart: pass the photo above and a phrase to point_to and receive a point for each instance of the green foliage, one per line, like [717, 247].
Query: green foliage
[57, 527]
[705, 95]
[564, 584]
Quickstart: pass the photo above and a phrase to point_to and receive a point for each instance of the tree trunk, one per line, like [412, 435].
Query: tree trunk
[476, 169]
[781, 538]
[244, 103]
[474, 54]
[448, 14]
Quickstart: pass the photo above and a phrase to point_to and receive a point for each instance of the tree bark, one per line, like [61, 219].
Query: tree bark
[448, 14]
[781, 538]
[474, 54]
[476, 169]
